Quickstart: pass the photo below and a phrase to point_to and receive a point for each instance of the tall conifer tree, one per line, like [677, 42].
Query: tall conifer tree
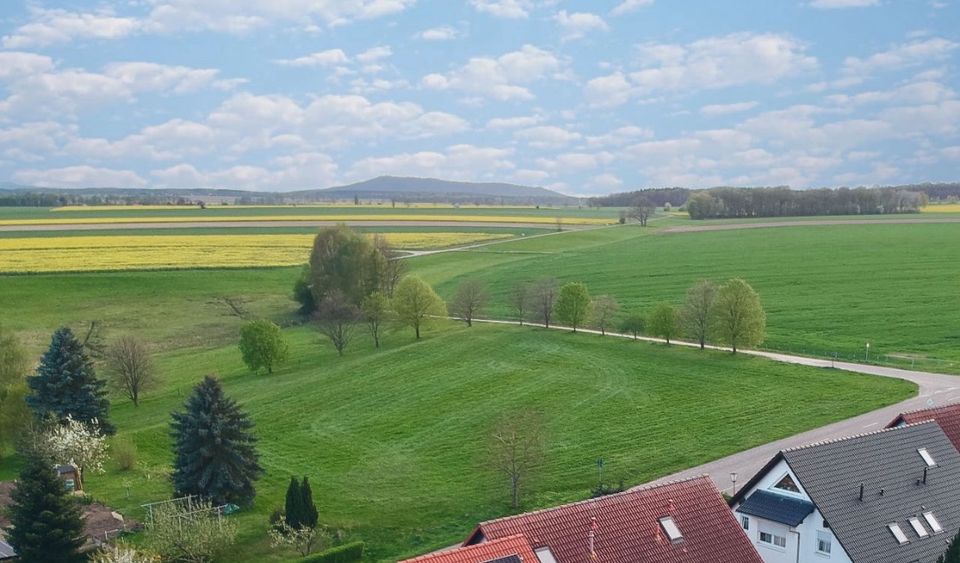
[293, 508]
[66, 384]
[309, 516]
[46, 522]
[215, 453]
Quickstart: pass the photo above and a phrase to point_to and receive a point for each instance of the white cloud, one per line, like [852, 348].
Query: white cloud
[330, 57]
[726, 109]
[901, 56]
[142, 76]
[513, 122]
[628, 6]
[547, 136]
[443, 33]
[457, 162]
[837, 4]
[509, 9]
[375, 54]
[15, 64]
[606, 182]
[609, 91]
[503, 78]
[80, 177]
[620, 136]
[576, 25]
[573, 162]
[296, 171]
[60, 26]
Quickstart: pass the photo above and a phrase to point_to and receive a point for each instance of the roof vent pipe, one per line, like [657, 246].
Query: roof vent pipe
[861, 492]
[881, 491]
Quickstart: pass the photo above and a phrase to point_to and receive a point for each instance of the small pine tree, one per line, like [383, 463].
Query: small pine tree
[66, 384]
[215, 453]
[46, 522]
[953, 551]
[293, 508]
[309, 516]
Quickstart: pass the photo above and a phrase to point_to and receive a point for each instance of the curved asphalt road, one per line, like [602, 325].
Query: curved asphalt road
[934, 389]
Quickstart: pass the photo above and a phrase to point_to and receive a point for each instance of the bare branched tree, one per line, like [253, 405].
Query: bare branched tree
[605, 308]
[641, 210]
[337, 319]
[545, 297]
[375, 311]
[521, 298]
[517, 450]
[93, 340]
[396, 267]
[469, 300]
[130, 367]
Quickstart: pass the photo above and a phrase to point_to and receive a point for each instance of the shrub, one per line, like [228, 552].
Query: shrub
[125, 453]
[346, 553]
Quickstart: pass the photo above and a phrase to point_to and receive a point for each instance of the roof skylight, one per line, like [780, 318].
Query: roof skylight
[933, 522]
[898, 533]
[545, 555]
[671, 529]
[918, 527]
[926, 457]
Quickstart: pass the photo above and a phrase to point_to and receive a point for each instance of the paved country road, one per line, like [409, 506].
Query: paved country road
[934, 389]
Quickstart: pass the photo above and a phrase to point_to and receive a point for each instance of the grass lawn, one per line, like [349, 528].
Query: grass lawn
[394, 441]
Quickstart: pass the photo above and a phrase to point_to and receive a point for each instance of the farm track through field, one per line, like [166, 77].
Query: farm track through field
[789, 223]
[261, 224]
[934, 389]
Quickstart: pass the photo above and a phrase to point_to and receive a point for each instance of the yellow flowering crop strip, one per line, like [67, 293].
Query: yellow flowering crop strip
[147, 252]
[329, 205]
[942, 208]
[359, 218]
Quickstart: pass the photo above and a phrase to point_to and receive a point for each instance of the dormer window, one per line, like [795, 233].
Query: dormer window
[670, 528]
[933, 522]
[927, 458]
[898, 533]
[787, 484]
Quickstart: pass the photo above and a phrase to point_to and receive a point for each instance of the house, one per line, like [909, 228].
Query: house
[6, 550]
[679, 522]
[511, 549]
[947, 416]
[891, 496]
[70, 475]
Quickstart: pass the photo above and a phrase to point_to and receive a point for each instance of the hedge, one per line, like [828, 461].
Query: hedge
[346, 553]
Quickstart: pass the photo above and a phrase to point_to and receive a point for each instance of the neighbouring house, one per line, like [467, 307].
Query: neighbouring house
[947, 416]
[6, 550]
[511, 549]
[891, 496]
[678, 522]
[70, 475]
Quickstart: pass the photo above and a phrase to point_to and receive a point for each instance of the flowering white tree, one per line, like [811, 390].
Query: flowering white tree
[76, 442]
[305, 540]
[123, 554]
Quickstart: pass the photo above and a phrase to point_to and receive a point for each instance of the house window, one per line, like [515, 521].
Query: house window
[787, 484]
[824, 543]
[897, 533]
[926, 457]
[773, 539]
[671, 529]
[745, 522]
[918, 527]
[933, 522]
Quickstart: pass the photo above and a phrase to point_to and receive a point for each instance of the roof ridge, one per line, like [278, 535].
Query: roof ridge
[943, 406]
[855, 436]
[637, 489]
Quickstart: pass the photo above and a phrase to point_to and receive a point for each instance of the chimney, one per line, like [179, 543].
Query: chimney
[670, 505]
[861, 492]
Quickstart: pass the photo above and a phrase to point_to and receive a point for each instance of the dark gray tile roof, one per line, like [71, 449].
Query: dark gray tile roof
[778, 508]
[6, 552]
[891, 470]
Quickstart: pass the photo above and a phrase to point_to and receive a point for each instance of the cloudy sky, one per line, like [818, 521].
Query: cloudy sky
[582, 96]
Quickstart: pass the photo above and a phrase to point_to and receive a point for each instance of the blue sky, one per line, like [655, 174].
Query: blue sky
[582, 96]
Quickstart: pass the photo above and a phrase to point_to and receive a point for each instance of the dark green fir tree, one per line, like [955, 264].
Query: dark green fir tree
[215, 454]
[66, 384]
[953, 552]
[293, 508]
[309, 515]
[46, 522]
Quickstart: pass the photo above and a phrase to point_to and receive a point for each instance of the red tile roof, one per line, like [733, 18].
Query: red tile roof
[947, 416]
[629, 530]
[505, 547]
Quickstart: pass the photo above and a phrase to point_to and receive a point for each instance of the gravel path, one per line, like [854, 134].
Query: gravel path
[934, 389]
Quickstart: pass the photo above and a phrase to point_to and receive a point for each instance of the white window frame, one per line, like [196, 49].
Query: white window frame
[671, 529]
[824, 538]
[898, 533]
[745, 522]
[777, 541]
[927, 458]
[933, 522]
[918, 527]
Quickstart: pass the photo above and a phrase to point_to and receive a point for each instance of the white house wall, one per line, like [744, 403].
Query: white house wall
[801, 545]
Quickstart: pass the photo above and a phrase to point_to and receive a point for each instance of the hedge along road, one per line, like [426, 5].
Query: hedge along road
[935, 389]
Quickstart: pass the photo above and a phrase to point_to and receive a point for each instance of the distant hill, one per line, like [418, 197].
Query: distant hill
[431, 189]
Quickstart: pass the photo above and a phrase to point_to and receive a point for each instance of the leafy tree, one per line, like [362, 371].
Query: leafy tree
[521, 297]
[415, 302]
[303, 292]
[14, 414]
[375, 310]
[664, 321]
[738, 315]
[66, 384]
[337, 318]
[13, 359]
[633, 324]
[953, 551]
[122, 553]
[469, 300]
[192, 532]
[130, 367]
[346, 261]
[262, 345]
[214, 449]
[304, 540]
[573, 304]
[517, 449]
[605, 308]
[46, 522]
[394, 268]
[544, 299]
[697, 313]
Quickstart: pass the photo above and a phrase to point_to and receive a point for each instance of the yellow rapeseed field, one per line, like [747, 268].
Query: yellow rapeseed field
[404, 217]
[344, 205]
[95, 253]
[942, 208]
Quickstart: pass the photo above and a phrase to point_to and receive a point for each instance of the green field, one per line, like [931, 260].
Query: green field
[394, 441]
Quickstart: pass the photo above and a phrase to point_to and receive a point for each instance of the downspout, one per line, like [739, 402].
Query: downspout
[798, 544]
